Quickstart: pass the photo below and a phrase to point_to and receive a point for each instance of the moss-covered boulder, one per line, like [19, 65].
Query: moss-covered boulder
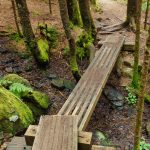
[43, 50]
[14, 78]
[14, 114]
[39, 98]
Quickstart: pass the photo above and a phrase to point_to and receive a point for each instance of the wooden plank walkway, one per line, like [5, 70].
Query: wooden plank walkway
[86, 94]
[56, 133]
[18, 143]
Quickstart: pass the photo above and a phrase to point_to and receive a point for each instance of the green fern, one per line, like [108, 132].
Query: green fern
[144, 145]
[5, 83]
[19, 89]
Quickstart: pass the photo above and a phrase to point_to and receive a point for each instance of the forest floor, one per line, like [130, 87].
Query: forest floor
[118, 125]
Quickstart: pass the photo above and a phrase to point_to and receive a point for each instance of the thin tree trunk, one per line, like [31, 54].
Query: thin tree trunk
[72, 46]
[131, 13]
[87, 19]
[50, 7]
[28, 34]
[137, 45]
[74, 12]
[146, 15]
[15, 17]
[140, 107]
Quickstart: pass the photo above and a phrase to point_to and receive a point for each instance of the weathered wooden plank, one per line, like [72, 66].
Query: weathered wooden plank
[85, 84]
[84, 138]
[48, 133]
[18, 143]
[79, 87]
[94, 101]
[127, 46]
[97, 147]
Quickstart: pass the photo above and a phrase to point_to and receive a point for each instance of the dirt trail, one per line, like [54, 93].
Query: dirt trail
[114, 10]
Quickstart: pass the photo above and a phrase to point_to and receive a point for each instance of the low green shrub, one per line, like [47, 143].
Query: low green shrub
[131, 98]
[144, 145]
[50, 33]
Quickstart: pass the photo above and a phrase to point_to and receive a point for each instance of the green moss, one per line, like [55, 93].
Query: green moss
[147, 97]
[73, 64]
[11, 105]
[44, 50]
[14, 78]
[83, 43]
[39, 98]
[76, 18]
[35, 110]
[50, 33]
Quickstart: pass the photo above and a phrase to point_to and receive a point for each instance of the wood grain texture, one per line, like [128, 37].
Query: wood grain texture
[83, 99]
[56, 133]
[97, 147]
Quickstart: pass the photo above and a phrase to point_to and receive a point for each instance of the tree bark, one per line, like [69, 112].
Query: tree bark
[137, 45]
[140, 107]
[50, 7]
[131, 12]
[87, 19]
[94, 2]
[72, 46]
[146, 14]
[15, 17]
[74, 12]
[28, 34]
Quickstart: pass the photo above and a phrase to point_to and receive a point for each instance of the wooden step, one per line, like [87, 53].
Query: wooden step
[84, 138]
[18, 143]
[56, 133]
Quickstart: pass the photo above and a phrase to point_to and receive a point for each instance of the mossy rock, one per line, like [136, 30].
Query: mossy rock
[58, 83]
[14, 78]
[35, 110]
[10, 107]
[41, 99]
[43, 50]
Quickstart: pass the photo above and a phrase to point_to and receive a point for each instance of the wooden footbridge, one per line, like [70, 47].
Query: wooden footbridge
[65, 131]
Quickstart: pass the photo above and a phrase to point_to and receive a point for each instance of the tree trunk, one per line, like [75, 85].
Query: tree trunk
[28, 32]
[131, 11]
[146, 14]
[74, 12]
[94, 2]
[137, 45]
[65, 21]
[87, 19]
[15, 17]
[140, 107]
[50, 7]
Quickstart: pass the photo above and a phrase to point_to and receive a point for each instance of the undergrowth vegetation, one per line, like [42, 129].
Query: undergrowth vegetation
[144, 145]
[50, 33]
[83, 43]
[17, 89]
[131, 98]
